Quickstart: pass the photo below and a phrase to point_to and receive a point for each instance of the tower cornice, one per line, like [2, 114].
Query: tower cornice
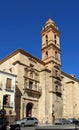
[51, 45]
[50, 28]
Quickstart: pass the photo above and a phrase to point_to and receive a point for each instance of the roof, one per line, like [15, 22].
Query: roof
[50, 21]
[7, 73]
[70, 76]
[50, 24]
[22, 52]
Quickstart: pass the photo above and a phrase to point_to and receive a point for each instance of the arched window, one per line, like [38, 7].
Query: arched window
[56, 55]
[46, 54]
[55, 38]
[46, 39]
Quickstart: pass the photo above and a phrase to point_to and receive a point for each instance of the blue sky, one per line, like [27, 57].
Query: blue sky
[21, 22]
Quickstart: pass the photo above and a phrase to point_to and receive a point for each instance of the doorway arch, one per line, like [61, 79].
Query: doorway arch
[29, 109]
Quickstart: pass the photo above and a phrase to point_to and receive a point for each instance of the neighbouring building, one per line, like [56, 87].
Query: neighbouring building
[70, 96]
[7, 87]
[42, 89]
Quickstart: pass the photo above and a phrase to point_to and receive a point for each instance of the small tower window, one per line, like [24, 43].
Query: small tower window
[8, 83]
[46, 54]
[31, 65]
[55, 38]
[30, 85]
[46, 40]
[56, 72]
[56, 88]
[56, 55]
[55, 41]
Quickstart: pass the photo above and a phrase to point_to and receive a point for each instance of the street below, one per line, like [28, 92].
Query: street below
[52, 127]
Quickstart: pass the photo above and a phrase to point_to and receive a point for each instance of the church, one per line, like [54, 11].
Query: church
[43, 90]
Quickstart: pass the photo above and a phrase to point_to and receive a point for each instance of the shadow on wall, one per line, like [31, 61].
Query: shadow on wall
[18, 95]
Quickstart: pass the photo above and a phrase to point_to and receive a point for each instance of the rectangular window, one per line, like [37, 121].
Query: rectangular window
[31, 67]
[56, 73]
[30, 85]
[31, 74]
[55, 36]
[8, 83]
[56, 55]
[56, 88]
[35, 85]
[55, 41]
[26, 72]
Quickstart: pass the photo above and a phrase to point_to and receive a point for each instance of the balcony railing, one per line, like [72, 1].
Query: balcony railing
[32, 76]
[33, 89]
[9, 88]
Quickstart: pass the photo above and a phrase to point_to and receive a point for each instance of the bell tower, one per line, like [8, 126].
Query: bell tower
[51, 57]
[51, 44]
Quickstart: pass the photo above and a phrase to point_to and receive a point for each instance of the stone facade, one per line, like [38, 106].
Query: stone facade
[42, 89]
[70, 93]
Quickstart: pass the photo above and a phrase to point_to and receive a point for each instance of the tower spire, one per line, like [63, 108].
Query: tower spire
[50, 43]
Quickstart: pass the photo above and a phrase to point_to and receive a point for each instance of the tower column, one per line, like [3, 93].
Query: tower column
[51, 56]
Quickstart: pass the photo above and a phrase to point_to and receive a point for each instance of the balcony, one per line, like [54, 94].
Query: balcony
[9, 88]
[33, 90]
[32, 76]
